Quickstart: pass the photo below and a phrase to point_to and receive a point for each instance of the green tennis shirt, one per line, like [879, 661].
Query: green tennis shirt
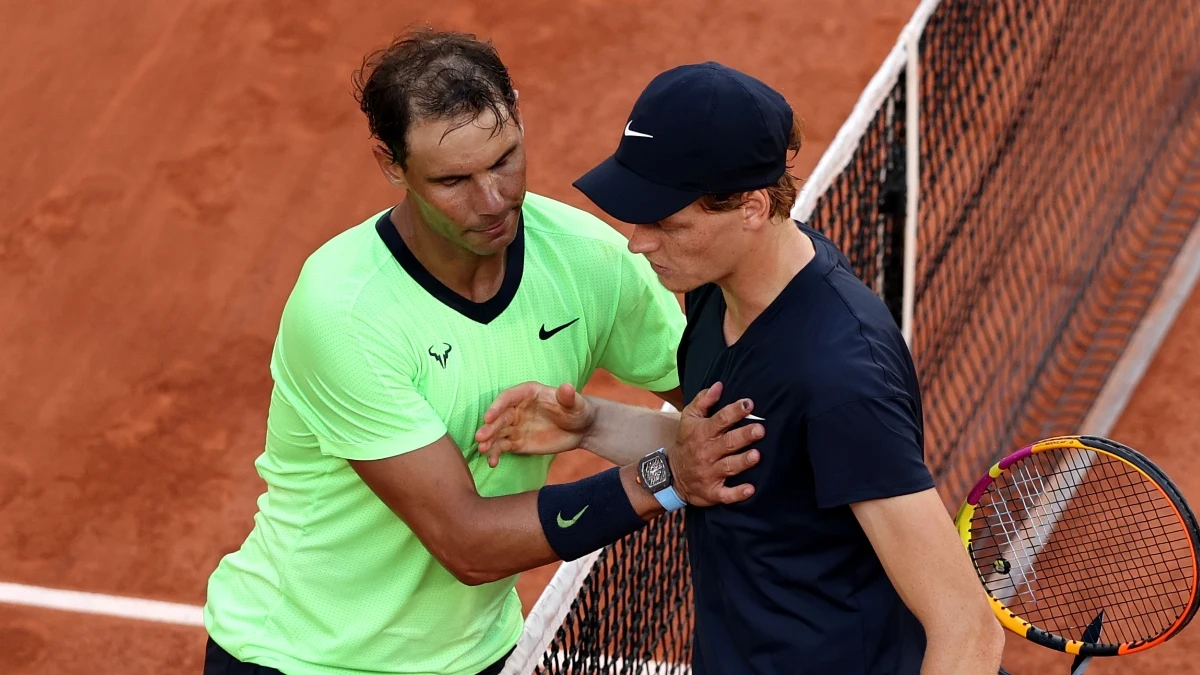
[375, 358]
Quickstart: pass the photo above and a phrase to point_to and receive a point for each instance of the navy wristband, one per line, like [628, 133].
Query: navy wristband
[586, 515]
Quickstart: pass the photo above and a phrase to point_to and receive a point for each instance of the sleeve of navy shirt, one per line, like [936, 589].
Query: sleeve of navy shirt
[867, 441]
[867, 448]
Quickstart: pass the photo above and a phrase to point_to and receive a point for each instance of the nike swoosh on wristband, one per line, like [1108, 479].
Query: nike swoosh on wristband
[564, 523]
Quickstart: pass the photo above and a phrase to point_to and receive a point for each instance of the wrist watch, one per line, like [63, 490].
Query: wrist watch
[654, 473]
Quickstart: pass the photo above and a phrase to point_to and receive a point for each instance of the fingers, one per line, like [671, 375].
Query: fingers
[484, 433]
[510, 398]
[499, 422]
[735, 464]
[731, 415]
[494, 451]
[742, 436]
[735, 494]
[495, 438]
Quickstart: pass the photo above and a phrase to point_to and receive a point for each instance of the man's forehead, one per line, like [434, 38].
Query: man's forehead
[442, 142]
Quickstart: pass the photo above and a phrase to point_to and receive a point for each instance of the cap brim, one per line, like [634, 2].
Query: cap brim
[628, 197]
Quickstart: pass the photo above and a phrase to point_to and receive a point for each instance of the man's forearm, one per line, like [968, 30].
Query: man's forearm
[623, 433]
[958, 651]
[508, 535]
[502, 537]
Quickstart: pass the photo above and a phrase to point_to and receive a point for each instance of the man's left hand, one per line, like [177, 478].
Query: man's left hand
[705, 452]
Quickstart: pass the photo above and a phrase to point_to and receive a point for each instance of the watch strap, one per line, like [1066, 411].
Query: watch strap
[669, 498]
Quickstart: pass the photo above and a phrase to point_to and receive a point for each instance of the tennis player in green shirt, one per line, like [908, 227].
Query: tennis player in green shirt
[385, 543]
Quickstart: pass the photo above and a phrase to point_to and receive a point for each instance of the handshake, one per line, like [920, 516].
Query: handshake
[704, 452]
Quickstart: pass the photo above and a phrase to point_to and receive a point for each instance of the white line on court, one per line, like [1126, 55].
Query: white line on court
[95, 603]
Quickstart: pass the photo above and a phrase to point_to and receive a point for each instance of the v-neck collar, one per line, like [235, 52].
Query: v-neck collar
[481, 312]
[818, 266]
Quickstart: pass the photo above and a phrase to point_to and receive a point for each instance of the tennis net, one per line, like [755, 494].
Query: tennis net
[1016, 182]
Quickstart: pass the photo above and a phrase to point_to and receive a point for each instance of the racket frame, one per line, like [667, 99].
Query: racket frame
[1144, 466]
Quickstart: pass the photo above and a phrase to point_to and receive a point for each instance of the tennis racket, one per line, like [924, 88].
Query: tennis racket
[1084, 546]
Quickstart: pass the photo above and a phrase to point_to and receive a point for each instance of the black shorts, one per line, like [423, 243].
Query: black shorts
[217, 661]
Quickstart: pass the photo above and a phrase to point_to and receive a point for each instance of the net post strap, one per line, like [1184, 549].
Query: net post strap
[912, 178]
[835, 158]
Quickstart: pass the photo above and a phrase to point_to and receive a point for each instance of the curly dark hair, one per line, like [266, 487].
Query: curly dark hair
[430, 74]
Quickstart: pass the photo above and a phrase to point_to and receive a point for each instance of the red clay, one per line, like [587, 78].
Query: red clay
[168, 167]
[46, 642]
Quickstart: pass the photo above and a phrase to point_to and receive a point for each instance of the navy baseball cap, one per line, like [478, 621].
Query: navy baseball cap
[696, 129]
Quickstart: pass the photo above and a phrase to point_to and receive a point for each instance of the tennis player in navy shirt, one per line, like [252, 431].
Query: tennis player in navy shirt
[844, 560]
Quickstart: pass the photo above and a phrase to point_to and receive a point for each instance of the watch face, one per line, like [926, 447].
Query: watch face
[655, 473]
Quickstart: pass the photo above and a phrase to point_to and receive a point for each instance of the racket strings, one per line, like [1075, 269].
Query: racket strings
[1027, 483]
[1065, 534]
[1155, 578]
[1072, 548]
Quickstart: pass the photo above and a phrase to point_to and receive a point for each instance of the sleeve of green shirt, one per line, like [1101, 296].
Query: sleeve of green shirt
[645, 334]
[359, 404]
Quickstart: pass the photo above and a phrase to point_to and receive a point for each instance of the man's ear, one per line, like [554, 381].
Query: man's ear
[517, 110]
[391, 171]
[756, 209]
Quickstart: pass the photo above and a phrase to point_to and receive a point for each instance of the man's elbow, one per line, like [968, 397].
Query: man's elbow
[989, 642]
[986, 632]
[991, 635]
[470, 573]
[464, 562]
[977, 631]
[479, 578]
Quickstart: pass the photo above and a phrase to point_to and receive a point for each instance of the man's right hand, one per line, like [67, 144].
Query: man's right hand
[706, 452]
[534, 419]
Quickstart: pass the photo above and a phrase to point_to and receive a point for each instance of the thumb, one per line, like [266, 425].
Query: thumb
[565, 395]
[705, 400]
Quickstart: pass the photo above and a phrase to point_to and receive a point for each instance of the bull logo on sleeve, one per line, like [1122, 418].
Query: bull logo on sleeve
[439, 354]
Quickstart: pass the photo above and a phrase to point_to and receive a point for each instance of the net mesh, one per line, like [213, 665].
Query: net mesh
[1059, 175]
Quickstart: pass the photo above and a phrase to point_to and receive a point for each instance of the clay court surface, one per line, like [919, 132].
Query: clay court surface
[166, 169]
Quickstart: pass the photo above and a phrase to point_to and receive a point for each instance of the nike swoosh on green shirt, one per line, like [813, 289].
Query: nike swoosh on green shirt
[567, 523]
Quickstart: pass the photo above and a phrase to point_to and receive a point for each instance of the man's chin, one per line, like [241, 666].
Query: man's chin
[484, 243]
[676, 285]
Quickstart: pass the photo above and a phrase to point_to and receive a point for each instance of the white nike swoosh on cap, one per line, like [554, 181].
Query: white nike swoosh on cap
[631, 132]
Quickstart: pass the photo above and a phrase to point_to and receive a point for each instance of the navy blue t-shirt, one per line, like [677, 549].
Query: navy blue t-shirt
[786, 581]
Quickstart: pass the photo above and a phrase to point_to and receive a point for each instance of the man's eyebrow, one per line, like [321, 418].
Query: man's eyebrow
[506, 155]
